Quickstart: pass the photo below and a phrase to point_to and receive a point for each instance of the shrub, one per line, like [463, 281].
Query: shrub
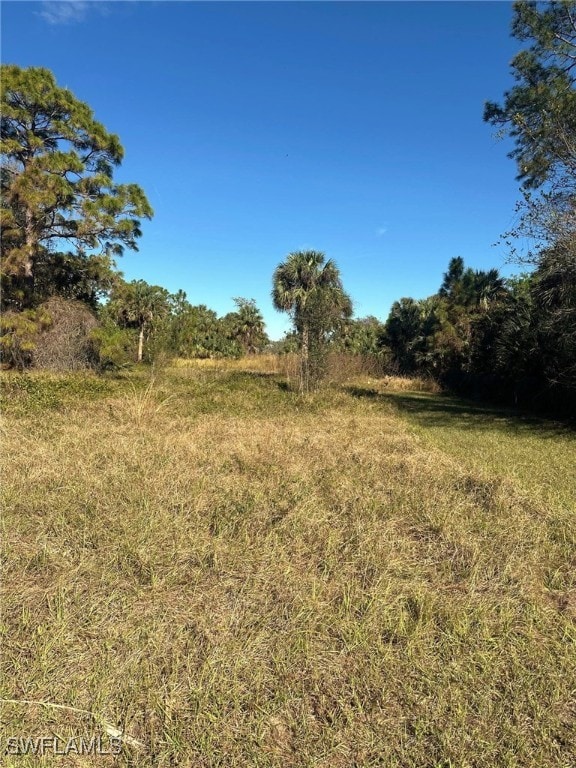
[113, 346]
[66, 344]
[19, 334]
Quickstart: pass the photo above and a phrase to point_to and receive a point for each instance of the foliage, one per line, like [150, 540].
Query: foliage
[362, 336]
[57, 335]
[287, 345]
[441, 335]
[85, 278]
[113, 345]
[514, 339]
[554, 295]
[309, 288]
[198, 332]
[57, 181]
[141, 306]
[19, 336]
[246, 326]
[402, 333]
[539, 112]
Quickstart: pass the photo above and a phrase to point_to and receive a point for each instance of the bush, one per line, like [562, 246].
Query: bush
[66, 345]
[19, 334]
[113, 346]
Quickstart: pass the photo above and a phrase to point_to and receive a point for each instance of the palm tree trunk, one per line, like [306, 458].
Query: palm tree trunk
[140, 344]
[305, 361]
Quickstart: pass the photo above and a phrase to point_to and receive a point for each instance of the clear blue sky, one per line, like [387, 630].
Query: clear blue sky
[261, 128]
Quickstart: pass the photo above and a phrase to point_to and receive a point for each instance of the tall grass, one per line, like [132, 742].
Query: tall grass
[258, 363]
[340, 367]
[241, 577]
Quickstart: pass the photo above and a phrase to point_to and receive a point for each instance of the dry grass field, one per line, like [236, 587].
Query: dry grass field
[233, 576]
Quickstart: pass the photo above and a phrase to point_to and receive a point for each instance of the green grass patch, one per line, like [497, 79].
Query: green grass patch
[538, 454]
[37, 392]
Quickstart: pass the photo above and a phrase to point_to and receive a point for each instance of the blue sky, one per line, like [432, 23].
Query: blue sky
[261, 128]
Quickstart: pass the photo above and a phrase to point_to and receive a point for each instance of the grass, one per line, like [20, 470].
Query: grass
[535, 453]
[235, 576]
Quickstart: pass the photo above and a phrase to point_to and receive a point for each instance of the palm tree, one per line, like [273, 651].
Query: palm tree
[248, 325]
[488, 287]
[309, 288]
[139, 305]
[471, 288]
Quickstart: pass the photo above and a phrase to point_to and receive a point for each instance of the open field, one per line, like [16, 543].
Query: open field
[234, 576]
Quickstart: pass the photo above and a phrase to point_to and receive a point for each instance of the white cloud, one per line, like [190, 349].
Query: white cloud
[69, 11]
[381, 231]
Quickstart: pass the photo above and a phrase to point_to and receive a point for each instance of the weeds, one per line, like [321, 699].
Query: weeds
[250, 579]
[140, 405]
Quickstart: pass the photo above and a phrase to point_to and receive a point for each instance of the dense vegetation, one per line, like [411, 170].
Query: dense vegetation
[512, 339]
[516, 339]
[490, 337]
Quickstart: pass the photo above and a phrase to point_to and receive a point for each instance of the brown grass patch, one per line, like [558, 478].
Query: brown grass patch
[236, 577]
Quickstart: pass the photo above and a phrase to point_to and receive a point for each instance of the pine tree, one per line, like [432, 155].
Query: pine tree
[57, 180]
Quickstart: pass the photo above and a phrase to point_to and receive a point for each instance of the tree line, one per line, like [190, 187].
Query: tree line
[58, 190]
[515, 339]
[64, 222]
[487, 336]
